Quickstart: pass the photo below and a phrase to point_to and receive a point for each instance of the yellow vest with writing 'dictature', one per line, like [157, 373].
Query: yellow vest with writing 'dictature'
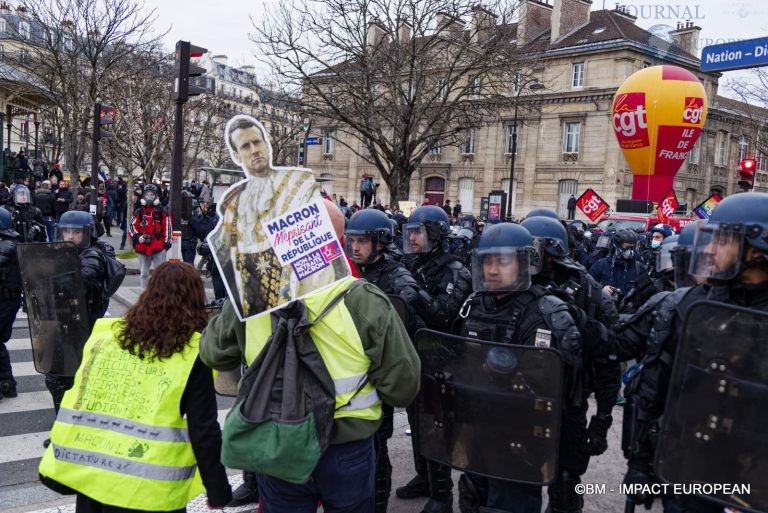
[340, 346]
[119, 437]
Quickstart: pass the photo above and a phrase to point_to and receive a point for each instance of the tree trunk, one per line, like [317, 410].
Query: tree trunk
[399, 184]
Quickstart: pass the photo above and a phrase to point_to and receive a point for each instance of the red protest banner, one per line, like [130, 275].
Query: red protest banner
[667, 207]
[592, 205]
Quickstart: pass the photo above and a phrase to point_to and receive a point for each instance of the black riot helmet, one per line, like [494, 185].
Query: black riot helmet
[720, 246]
[548, 234]
[625, 243]
[681, 255]
[426, 226]
[503, 259]
[75, 226]
[6, 223]
[371, 223]
[544, 212]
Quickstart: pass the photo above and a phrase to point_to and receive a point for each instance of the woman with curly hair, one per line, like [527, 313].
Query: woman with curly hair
[138, 431]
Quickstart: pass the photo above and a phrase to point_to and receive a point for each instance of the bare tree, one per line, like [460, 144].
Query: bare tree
[753, 91]
[396, 78]
[75, 49]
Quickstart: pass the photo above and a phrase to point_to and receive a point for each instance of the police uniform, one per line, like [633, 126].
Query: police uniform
[10, 300]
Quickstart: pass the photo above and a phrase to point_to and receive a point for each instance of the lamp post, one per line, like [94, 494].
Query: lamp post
[534, 86]
[37, 133]
[307, 126]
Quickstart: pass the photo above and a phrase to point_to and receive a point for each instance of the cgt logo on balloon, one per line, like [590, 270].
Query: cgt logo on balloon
[657, 115]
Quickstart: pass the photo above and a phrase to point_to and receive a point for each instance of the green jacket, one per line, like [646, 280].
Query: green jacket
[395, 365]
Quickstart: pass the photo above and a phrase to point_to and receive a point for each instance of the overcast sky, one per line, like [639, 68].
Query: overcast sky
[223, 26]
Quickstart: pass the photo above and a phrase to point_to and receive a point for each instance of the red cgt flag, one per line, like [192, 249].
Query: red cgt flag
[592, 205]
[667, 207]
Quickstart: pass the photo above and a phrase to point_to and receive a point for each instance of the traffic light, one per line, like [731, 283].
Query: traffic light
[182, 88]
[747, 168]
[105, 118]
[301, 152]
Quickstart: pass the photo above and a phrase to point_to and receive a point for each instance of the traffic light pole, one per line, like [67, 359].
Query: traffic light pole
[176, 168]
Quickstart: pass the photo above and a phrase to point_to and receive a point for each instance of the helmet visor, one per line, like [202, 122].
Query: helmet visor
[416, 239]
[505, 269]
[21, 195]
[664, 260]
[717, 252]
[681, 259]
[79, 235]
[604, 241]
[360, 248]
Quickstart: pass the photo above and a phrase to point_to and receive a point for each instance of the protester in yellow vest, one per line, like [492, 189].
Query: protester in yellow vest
[138, 430]
[361, 340]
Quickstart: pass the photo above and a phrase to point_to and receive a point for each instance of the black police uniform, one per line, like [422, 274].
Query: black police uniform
[515, 318]
[10, 302]
[28, 222]
[444, 285]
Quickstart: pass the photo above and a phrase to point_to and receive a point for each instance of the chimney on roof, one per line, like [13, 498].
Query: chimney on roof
[483, 24]
[533, 19]
[220, 59]
[449, 24]
[4, 6]
[568, 15]
[375, 35]
[248, 68]
[686, 36]
[21, 10]
[622, 10]
[404, 30]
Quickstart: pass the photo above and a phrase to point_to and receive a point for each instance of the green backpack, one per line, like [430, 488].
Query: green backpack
[282, 419]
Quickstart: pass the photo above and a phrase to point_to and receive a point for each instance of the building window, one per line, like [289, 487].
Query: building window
[722, 148]
[441, 88]
[571, 137]
[743, 147]
[469, 141]
[435, 148]
[467, 194]
[328, 135]
[510, 138]
[23, 55]
[693, 156]
[761, 162]
[3, 26]
[69, 44]
[24, 30]
[2, 51]
[474, 85]
[25, 130]
[517, 81]
[577, 75]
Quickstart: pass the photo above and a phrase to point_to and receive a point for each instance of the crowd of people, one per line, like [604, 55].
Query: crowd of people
[599, 298]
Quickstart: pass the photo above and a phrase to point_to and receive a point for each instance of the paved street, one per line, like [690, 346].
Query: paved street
[25, 421]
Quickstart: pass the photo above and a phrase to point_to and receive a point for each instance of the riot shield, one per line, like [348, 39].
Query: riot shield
[716, 417]
[55, 297]
[488, 408]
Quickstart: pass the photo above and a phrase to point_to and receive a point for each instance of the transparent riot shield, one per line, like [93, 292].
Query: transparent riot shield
[488, 408]
[55, 297]
[715, 424]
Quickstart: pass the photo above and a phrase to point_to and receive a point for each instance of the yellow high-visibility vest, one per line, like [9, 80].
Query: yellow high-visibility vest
[338, 343]
[119, 437]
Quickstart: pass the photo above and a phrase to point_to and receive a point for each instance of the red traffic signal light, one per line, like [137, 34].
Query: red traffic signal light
[747, 168]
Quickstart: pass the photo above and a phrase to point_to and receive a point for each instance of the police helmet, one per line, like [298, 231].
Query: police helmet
[21, 195]
[503, 259]
[681, 255]
[624, 243]
[720, 246]
[75, 226]
[465, 233]
[427, 225]
[6, 223]
[548, 234]
[663, 229]
[544, 212]
[664, 260]
[371, 223]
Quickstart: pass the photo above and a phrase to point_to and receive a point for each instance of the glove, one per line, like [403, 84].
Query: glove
[597, 432]
[637, 476]
[167, 245]
[645, 288]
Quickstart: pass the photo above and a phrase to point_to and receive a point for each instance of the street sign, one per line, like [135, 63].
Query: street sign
[313, 141]
[749, 53]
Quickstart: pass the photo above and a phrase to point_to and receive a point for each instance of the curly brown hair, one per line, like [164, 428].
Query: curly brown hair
[167, 313]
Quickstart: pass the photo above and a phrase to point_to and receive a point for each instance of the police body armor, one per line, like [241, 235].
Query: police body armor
[54, 293]
[714, 428]
[488, 408]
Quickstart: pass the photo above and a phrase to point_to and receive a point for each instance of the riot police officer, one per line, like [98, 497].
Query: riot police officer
[595, 313]
[27, 218]
[730, 252]
[78, 227]
[619, 270]
[367, 235]
[10, 298]
[507, 308]
[444, 284]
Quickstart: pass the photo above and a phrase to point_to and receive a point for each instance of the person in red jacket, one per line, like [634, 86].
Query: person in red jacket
[150, 232]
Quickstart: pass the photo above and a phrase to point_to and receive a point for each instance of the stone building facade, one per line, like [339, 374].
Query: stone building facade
[568, 145]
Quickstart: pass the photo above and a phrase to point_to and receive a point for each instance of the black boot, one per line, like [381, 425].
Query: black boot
[246, 493]
[415, 488]
[440, 488]
[383, 483]
[8, 388]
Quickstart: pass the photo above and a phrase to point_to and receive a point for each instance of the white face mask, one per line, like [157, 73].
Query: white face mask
[655, 244]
